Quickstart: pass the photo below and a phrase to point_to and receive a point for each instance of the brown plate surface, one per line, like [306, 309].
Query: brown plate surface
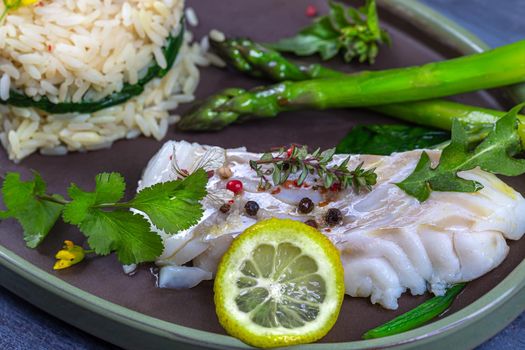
[263, 21]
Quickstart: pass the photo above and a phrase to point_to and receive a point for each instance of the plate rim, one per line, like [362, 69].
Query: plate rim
[512, 286]
[504, 302]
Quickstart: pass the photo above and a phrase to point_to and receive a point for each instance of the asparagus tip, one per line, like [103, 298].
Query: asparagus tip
[208, 115]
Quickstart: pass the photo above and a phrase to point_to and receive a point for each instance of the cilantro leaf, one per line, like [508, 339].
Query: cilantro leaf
[109, 188]
[108, 223]
[173, 206]
[354, 32]
[36, 216]
[76, 210]
[128, 234]
[495, 154]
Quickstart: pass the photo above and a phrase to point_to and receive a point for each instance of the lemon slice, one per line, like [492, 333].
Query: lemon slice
[280, 283]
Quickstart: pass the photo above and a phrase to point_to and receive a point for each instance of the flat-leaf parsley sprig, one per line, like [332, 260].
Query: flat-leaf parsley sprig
[297, 160]
[102, 216]
[495, 154]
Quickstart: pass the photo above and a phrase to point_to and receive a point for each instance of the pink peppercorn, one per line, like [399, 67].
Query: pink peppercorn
[311, 11]
[235, 186]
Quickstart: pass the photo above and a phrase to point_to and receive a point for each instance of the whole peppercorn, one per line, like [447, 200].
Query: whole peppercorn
[251, 208]
[289, 151]
[235, 186]
[225, 208]
[333, 216]
[311, 11]
[225, 172]
[312, 223]
[305, 205]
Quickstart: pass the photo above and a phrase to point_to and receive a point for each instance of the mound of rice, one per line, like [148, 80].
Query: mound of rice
[87, 49]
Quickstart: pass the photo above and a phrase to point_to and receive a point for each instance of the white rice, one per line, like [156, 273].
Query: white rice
[86, 44]
[216, 35]
[5, 83]
[96, 46]
[191, 16]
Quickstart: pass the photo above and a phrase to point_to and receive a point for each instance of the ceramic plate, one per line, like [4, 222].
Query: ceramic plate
[129, 311]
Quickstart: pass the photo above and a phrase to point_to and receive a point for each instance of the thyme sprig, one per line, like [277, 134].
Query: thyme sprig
[297, 160]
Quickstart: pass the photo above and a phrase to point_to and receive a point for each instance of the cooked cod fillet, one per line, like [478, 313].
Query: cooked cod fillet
[389, 242]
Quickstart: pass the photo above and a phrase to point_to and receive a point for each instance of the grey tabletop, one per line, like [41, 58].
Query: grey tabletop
[23, 326]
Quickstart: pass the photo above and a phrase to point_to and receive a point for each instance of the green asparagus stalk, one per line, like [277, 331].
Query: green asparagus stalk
[332, 89]
[260, 62]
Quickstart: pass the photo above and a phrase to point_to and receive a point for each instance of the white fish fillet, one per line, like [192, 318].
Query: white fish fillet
[389, 242]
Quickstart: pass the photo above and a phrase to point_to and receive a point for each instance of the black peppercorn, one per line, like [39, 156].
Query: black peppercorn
[225, 208]
[251, 208]
[312, 223]
[306, 205]
[333, 217]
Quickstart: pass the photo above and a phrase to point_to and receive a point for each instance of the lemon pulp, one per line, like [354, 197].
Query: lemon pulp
[280, 283]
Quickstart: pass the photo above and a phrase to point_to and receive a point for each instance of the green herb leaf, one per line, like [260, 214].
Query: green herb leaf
[36, 216]
[266, 156]
[173, 206]
[327, 155]
[109, 188]
[128, 234]
[276, 175]
[494, 154]
[387, 139]
[355, 33]
[300, 161]
[318, 38]
[108, 223]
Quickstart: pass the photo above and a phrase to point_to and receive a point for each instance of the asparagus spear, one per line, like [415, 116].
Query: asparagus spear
[260, 62]
[498, 67]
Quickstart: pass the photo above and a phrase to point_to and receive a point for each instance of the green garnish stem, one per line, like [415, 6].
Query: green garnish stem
[297, 160]
[4, 13]
[56, 200]
[417, 316]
